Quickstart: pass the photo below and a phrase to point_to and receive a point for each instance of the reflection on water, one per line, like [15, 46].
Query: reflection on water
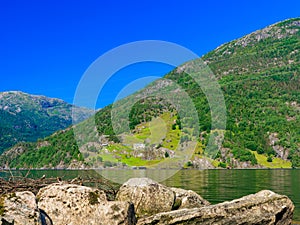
[224, 185]
[121, 176]
[214, 185]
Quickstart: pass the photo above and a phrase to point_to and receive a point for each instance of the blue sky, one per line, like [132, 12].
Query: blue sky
[46, 46]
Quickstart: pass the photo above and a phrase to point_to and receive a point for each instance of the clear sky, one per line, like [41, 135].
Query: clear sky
[46, 46]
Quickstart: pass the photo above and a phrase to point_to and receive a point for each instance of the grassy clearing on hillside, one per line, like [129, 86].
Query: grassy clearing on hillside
[144, 132]
[158, 130]
[172, 138]
[108, 157]
[130, 140]
[276, 163]
[133, 161]
[118, 147]
[199, 149]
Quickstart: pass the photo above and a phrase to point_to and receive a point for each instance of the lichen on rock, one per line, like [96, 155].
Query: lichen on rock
[148, 196]
[19, 208]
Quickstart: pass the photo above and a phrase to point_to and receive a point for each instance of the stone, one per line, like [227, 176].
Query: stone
[115, 213]
[148, 196]
[264, 207]
[187, 199]
[19, 208]
[76, 205]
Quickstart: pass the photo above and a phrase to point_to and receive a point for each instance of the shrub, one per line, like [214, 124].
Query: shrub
[269, 159]
[108, 164]
[222, 165]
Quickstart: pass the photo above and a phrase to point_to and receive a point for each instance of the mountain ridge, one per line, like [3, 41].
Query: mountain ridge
[259, 76]
[27, 117]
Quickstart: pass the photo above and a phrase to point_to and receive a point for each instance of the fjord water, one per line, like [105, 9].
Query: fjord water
[214, 185]
[224, 185]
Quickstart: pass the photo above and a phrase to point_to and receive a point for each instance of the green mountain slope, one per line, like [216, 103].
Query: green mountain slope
[259, 75]
[27, 117]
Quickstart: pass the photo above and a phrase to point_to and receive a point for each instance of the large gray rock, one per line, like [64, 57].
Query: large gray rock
[265, 208]
[76, 205]
[115, 213]
[148, 196]
[19, 208]
[187, 199]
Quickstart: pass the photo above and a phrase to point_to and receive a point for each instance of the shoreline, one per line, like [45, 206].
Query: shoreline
[132, 169]
[139, 201]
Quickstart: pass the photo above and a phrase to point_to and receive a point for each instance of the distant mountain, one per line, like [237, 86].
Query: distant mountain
[25, 117]
[259, 75]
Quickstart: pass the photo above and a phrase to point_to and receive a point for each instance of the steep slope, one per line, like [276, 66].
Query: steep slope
[259, 75]
[26, 117]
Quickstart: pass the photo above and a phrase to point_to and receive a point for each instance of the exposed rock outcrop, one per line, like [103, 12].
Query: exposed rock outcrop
[60, 204]
[187, 199]
[202, 163]
[77, 205]
[265, 207]
[148, 196]
[19, 208]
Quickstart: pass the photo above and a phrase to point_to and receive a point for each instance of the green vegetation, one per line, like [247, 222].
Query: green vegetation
[58, 149]
[134, 161]
[27, 117]
[244, 155]
[93, 198]
[222, 165]
[259, 75]
[276, 162]
[2, 207]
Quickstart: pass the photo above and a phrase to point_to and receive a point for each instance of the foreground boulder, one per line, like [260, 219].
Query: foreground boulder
[148, 196]
[61, 204]
[19, 208]
[265, 208]
[187, 199]
[76, 205]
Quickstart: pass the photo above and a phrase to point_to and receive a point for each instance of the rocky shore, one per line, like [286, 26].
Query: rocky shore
[139, 201]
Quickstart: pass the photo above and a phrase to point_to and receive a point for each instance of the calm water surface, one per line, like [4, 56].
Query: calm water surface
[216, 185]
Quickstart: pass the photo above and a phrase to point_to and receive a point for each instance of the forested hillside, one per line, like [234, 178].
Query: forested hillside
[25, 117]
[259, 75]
